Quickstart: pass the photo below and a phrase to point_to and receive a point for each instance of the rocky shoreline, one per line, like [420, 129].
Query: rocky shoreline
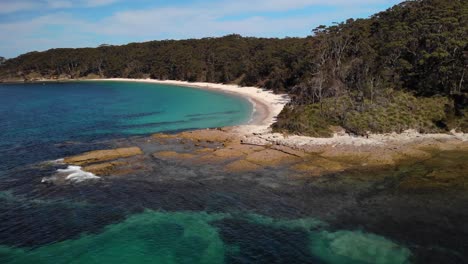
[254, 147]
[410, 193]
[229, 152]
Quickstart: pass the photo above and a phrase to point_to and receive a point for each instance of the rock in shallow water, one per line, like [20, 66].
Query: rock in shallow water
[242, 166]
[104, 169]
[103, 155]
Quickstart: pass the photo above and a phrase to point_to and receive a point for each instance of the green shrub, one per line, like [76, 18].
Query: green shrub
[394, 111]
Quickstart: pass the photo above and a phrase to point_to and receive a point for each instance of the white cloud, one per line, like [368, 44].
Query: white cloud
[12, 6]
[284, 5]
[203, 20]
[188, 21]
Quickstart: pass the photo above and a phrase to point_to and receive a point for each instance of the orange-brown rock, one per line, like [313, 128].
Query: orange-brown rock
[204, 150]
[289, 150]
[102, 155]
[209, 135]
[319, 166]
[380, 159]
[244, 148]
[103, 169]
[463, 146]
[211, 158]
[413, 153]
[228, 153]
[345, 155]
[443, 145]
[271, 157]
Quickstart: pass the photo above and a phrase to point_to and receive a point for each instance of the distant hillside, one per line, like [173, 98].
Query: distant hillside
[247, 61]
[402, 68]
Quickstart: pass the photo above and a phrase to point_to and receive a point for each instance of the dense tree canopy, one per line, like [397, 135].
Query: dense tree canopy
[346, 74]
[358, 67]
[248, 61]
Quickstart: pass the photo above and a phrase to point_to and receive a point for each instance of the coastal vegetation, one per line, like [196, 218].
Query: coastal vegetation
[402, 68]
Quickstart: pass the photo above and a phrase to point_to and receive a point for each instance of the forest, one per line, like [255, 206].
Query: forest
[403, 68]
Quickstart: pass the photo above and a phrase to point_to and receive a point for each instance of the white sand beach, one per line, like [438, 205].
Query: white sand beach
[266, 104]
[267, 107]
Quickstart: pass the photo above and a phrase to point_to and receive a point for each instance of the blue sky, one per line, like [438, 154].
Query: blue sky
[37, 25]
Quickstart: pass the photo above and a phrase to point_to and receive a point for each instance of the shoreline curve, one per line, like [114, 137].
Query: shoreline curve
[266, 104]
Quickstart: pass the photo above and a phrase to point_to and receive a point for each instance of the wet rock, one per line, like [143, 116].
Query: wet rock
[310, 169]
[271, 157]
[102, 155]
[289, 150]
[162, 136]
[242, 166]
[318, 166]
[228, 153]
[413, 153]
[349, 156]
[208, 135]
[172, 155]
[380, 159]
[443, 179]
[104, 169]
[204, 150]
[246, 149]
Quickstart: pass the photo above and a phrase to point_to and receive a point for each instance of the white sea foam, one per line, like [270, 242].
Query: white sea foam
[57, 161]
[254, 110]
[76, 174]
[52, 162]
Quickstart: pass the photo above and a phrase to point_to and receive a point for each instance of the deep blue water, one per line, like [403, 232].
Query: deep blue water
[175, 213]
[34, 117]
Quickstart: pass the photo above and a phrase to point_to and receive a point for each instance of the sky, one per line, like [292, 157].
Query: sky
[38, 25]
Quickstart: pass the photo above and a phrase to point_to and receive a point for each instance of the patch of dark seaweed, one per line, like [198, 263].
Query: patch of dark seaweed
[138, 115]
[153, 124]
[45, 223]
[264, 244]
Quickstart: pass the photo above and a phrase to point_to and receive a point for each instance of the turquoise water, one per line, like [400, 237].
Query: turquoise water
[33, 116]
[188, 237]
[71, 110]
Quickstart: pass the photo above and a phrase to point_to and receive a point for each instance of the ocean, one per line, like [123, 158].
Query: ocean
[36, 117]
[172, 212]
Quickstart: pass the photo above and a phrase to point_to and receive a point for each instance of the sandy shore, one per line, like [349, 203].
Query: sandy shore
[254, 146]
[266, 104]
